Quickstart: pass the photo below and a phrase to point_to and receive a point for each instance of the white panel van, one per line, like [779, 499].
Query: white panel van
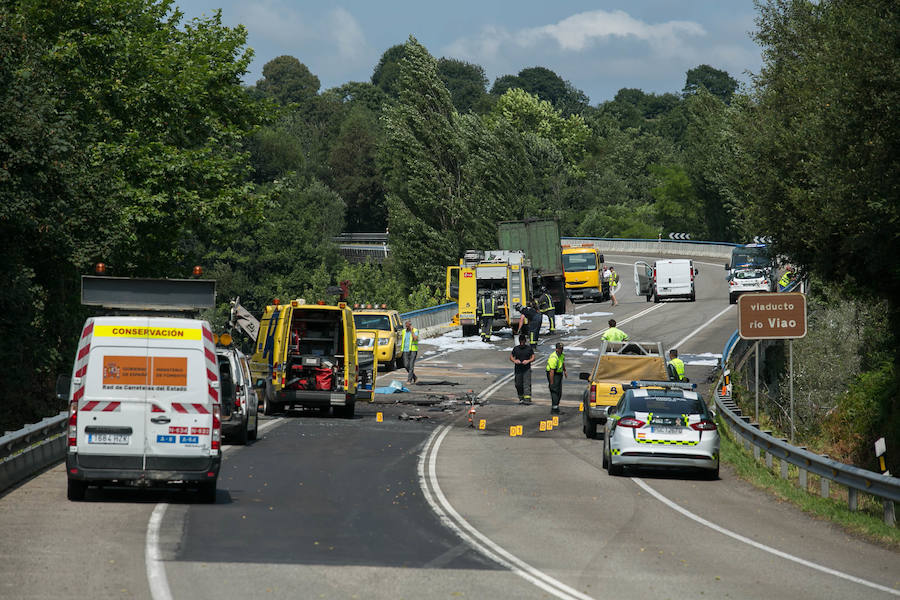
[673, 278]
[144, 405]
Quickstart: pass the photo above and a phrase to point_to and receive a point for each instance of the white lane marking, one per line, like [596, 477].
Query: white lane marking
[474, 538]
[760, 546]
[156, 567]
[702, 327]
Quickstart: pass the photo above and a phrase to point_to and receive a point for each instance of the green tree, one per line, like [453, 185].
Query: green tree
[677, 207]
[430, 214]
[718, 83]
[466, 83]
[386, 75]
[352, 161]
[286, 79]
[528, 114]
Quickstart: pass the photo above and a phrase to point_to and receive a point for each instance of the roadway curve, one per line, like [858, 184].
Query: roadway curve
[433, 509]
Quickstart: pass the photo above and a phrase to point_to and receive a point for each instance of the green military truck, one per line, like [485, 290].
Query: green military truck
[539, 240]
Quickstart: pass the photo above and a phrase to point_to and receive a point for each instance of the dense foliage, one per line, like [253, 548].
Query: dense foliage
[126, 136]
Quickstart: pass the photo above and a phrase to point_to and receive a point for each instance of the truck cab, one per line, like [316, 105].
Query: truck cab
[508, 275]
[582, 265]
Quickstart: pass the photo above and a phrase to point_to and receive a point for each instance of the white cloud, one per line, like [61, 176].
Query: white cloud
[348, 35]
[275, 22]
[577, 33]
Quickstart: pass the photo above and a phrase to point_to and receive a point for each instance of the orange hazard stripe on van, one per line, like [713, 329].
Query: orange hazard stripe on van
[184, 409]
[97, 406]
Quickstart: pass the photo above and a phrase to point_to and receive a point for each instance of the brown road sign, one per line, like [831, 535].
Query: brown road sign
[772, 316]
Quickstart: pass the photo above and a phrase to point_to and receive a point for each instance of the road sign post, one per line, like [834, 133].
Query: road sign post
[774, 317]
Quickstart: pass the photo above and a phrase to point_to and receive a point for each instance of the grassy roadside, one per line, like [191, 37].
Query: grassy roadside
[866, 522]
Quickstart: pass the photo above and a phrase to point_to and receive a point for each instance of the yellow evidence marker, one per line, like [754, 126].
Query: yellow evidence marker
[482, 424]
[379, 417]
[519, 430]
[581, 407]
[555, 421]
[512, 430]
[543, 425]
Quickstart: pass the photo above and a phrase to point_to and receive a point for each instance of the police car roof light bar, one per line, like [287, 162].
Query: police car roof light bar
[664, 384]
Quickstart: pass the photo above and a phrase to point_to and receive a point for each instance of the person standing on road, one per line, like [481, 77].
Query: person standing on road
[613, 285]
[676, 366]
[534, 323]
[522, 356]
[556, 370]
[410, 350]
[614, 334]
[487, 306]
[545, 305]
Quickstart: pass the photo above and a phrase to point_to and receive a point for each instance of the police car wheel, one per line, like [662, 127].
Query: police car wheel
[603, 455]
[615, 470]
[76, 489]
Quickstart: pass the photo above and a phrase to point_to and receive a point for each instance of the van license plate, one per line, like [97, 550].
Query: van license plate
[109, 438]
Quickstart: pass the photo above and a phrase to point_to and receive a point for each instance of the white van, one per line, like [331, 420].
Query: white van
[144, 405]
[671, 278]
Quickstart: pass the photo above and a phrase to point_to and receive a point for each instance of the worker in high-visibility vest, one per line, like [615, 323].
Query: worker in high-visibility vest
[613, 285]
[487, 307]
[676, 366]
[556, 370]
[410, 347]
[614, 334]
[785, 279]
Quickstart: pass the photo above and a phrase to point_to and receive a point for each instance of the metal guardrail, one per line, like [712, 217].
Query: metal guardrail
[32, 448]
[362, 238]
[855, 479]
[430, 317]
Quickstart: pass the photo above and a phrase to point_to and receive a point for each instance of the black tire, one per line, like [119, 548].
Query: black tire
[76, 489]
[346, 412]
[255, 432]
[469, 330]
[732, 298]
[603, 454]
[206, 493]
[693, 296]
[268, 400]
[713, 474]
[243, 434]
[590, 429]
[615, 470]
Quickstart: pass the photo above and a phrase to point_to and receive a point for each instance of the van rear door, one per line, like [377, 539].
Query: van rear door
[179, 408]
[643, 278]
[110, 430]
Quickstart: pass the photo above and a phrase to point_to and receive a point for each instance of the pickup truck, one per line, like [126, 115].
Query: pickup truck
[619, 363]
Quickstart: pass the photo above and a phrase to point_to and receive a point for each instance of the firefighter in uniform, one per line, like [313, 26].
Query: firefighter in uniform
[487, 307]
[676, 366]
[534, 323]
[545, 305]
[556, 370]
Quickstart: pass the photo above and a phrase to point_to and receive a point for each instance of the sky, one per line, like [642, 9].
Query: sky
[600, 47]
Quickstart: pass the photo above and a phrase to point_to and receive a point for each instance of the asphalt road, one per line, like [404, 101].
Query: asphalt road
[419, 505]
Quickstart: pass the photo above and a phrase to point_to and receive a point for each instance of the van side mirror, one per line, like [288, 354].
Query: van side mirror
[585, 376]
[696, 271]
[63, 383]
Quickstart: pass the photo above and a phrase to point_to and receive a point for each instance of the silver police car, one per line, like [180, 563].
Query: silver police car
[661, 424]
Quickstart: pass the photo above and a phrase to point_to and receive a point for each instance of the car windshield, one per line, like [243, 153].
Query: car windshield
[381, 322]
[753, 257]
[666, 405]
[586, 261]
[749, 274]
